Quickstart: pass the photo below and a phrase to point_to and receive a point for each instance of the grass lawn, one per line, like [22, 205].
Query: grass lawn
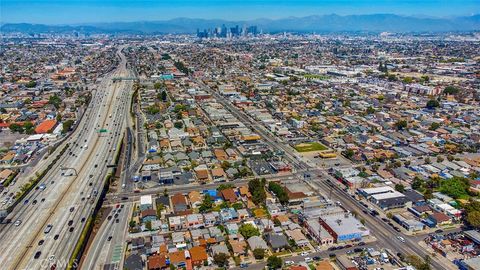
[259, 212]
[309, 147]
[281, 253]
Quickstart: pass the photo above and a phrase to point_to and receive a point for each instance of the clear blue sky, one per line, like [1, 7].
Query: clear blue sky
[87, 11]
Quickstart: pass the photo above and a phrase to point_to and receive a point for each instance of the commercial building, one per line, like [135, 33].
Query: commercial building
[146, 202]
[385, 197]
[344, 228]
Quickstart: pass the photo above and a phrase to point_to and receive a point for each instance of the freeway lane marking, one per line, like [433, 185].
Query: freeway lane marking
[117, 254]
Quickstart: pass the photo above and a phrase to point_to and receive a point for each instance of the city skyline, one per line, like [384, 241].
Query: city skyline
[94, 11]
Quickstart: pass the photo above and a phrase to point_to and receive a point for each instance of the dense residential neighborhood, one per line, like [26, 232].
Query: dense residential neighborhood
[249, 150]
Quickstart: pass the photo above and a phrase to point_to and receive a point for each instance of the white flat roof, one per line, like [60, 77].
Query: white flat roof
[377, 190]
[146, 199]
[388, 195]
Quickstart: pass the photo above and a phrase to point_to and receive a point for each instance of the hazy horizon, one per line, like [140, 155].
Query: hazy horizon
[97, 11]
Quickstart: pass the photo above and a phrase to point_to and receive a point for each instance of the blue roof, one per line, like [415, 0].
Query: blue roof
[212, 193]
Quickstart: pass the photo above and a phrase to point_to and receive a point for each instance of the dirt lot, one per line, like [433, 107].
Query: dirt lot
[7, 138]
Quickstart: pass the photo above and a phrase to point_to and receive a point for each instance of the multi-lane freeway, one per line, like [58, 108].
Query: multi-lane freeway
[46, 226]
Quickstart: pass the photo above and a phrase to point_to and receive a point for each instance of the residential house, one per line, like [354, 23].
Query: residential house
[298, 237]
[218, 174]
[220, 248]
[238, 247]
[195, 198]
[256, 242]
[157, 262]
[179, 203]
[148, 215]
[232, 228]
[277, 241]
[198, 255]
[229, 195]
[228, 214]
[178, 258]
[195, 221]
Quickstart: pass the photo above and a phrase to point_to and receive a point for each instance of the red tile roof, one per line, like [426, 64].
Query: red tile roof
[198, 254]
[45, 126]
[229, 195]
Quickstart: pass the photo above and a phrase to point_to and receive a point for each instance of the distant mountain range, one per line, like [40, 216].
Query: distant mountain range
[317, 23]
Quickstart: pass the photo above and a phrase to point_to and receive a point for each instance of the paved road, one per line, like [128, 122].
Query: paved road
[65, 202]
[109, 240]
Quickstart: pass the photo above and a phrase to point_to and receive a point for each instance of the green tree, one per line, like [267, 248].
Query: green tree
[157, 85]
[181, 66]
[392, 77]
[401, 124]
[224, 186]
[417, 183]
[432, 104]
[473, 218]
[148, 225]
[247, 230]
[153, 109]
[14, 127]
[370, 110]
[428, 194]
[407, 80]
[279, 191]
[28, 127]
[220, 259]
[274, 262]
[66, 126]
[257, 190]
[434, 126]
[164, 96]
[451, 90]
[207, 204]
[349, 153]
[160, 208]
[455, 187]
[55, 100]
[132, 223]
[225, 165]
[399, 187]
[178, 124]
[31, 84]
[259, 253]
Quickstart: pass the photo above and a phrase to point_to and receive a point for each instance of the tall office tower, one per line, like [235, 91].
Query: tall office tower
[252, 30]
[235, 31]
[224, 31]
